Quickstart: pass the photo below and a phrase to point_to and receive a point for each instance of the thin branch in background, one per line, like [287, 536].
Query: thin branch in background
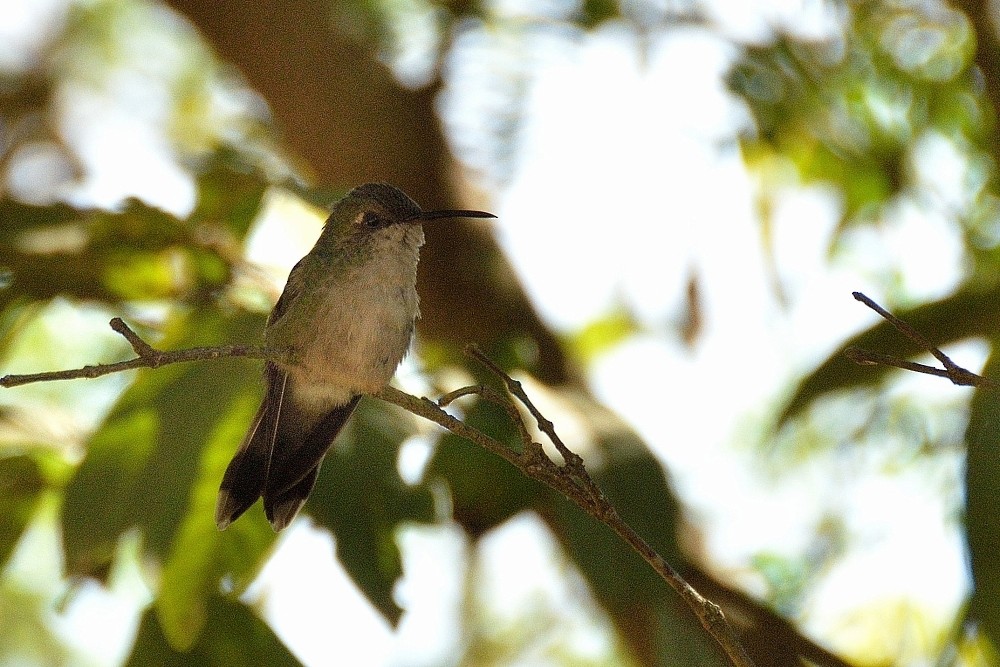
[570, 478]
[958, 375]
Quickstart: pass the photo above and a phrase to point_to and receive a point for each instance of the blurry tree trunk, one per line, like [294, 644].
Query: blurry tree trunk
[344, 113]
[983, 17]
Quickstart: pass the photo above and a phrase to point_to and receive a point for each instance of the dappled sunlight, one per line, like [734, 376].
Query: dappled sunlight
[687, 194]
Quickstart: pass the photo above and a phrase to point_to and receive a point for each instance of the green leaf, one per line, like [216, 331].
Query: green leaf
[230, 194]
[21, 487]
[17, 217]
[201, 556]
[58, 250]
[139, 252]
[848, 111]
[982, 498]
[142, 464]
[141, 275]
[26, 627]
[361, 499]
[603, 334]
[637, 487]
[595, 12]
[233, 637]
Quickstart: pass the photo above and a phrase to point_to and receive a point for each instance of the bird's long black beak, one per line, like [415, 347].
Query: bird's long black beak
[435, 215]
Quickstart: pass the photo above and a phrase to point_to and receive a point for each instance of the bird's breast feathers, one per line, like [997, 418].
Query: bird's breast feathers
[359, 331]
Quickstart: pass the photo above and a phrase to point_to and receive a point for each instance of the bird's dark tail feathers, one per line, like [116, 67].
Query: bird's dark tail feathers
[280, 456]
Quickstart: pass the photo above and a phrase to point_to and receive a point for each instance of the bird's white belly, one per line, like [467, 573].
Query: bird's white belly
[356, 344]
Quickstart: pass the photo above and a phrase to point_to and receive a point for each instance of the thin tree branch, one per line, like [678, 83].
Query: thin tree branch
[958, 375]
[570, 478]
[149, 357]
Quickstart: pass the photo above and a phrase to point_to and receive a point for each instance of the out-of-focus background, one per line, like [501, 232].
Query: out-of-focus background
[688, 192]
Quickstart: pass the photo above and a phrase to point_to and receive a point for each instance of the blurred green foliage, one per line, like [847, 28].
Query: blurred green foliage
[849, 112]
[233, 637]
[852, 113]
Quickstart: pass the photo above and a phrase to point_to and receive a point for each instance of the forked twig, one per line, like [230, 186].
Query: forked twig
[957, 374]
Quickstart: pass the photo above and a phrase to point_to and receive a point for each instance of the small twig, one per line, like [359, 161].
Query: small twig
[516, 390]
[489, 394]
[452, 396]
[958, 375]
[149, 357]
[868, 358]
[141, 347]
[574, 473]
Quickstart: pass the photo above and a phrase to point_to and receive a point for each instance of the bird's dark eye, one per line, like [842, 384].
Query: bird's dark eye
[372, 220]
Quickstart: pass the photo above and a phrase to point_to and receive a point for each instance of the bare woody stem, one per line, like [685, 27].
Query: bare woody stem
[569, 478]
[149, 357]
[958, 375]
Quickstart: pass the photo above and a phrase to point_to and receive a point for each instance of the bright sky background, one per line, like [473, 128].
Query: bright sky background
[624, 216]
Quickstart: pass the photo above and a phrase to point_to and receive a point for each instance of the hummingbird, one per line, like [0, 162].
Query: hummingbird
[346, 315]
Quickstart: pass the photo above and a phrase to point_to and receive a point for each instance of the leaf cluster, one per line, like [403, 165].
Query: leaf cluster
[851, 112]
